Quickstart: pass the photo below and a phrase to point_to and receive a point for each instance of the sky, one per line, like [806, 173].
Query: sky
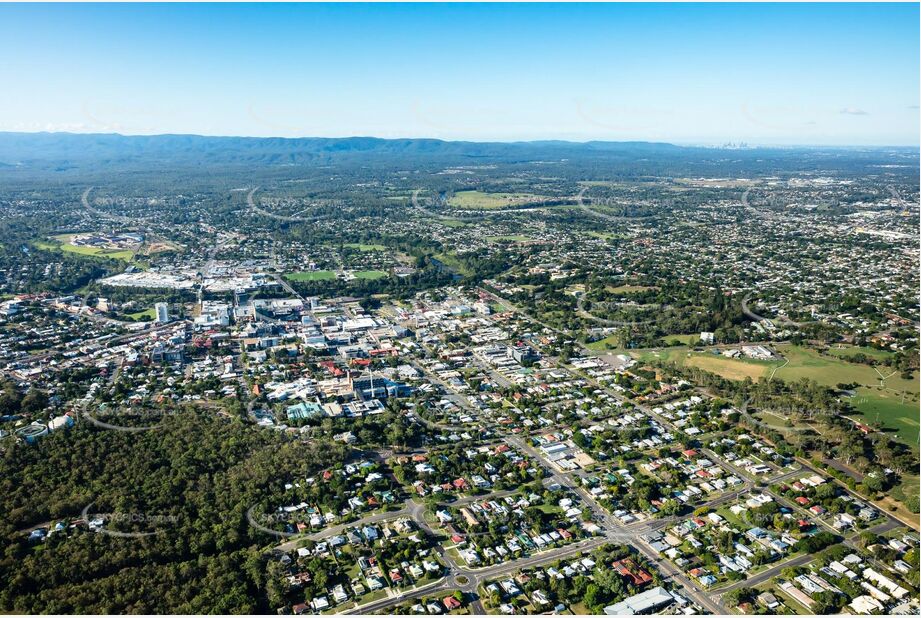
[773, 74]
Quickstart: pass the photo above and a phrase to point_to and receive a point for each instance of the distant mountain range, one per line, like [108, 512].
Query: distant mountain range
[31, 148]
[75, 152]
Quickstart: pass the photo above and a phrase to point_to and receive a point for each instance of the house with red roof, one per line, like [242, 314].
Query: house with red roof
[629, 570]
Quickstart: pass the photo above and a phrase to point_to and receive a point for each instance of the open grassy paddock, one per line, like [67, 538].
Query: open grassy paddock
[150, 313]
[364, 247]
[846, 351]
[450, 261]
[311, 275]
[369, 274]
[477, 200]
[603, 345]
[62, 242]
[628, 288]
[881, 395]
[690, 339]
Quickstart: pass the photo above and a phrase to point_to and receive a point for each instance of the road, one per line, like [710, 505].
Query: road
[632, 534]
[580, 309]
[28, 360]
[251, 202]
[580, 202]
[758, 318]
[698, 595]
[796, 561]
[467, 579]
[85, 200]
[610, 524]
[290, 290]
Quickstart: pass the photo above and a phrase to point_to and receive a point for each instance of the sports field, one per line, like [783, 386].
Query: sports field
[369, 274]
[62, 243]
[909, 490]
[882, 394]
[311, 275]
[364, 247]
[846, 351]
[140, 315]
[734, 369]
[477, 200]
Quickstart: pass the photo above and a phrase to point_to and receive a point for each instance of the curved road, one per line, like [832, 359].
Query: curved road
[251, 203]
[580, 202]
[758, 318]
[580, 307]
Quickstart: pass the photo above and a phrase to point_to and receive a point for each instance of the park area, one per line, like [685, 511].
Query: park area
[311, 275]
[369, 274]
[478, 200]
[365, 247]
[881, 394]
[64, 242]
[327, 275]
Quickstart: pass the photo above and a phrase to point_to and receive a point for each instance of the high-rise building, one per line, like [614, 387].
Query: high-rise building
[162, 312]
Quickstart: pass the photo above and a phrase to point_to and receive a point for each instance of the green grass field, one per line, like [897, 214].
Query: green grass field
[627, 289]
[62, 243]
[909, 490]
[477, 200]
[734, 369]
[140, 315]
[369, 274]
[450, 261]
[603, 345]
[311, 275]
[888, 409]
[691, 339]
[891, 400]
[363, 247]
[851, 350]
[609, 344]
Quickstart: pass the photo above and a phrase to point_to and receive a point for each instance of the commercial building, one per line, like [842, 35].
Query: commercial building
[642, 603]
[162, 310]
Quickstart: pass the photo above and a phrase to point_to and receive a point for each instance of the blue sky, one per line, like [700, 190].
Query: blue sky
[842, 74]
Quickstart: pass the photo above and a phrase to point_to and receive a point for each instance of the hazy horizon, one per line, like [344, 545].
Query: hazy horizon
[478, 141]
